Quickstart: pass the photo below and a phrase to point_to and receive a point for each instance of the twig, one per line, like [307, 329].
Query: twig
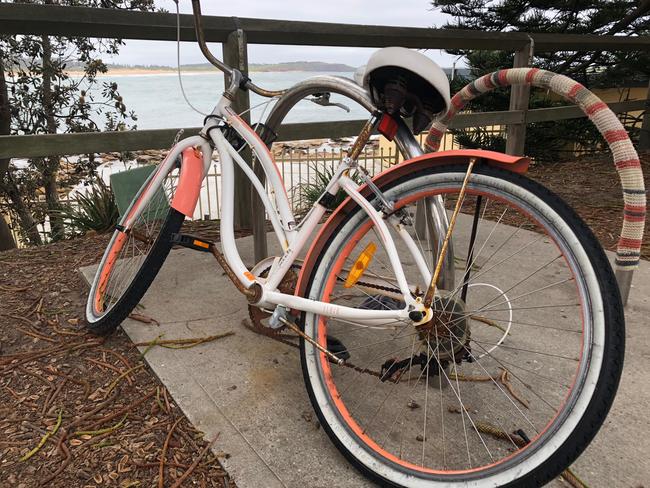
[169, 408]
[160, 405]
[35, 335]
[486, 428]
[31, 356]
[123, 410]
[150, 345]
[21, 318]
[143, 318]
[83, 383]
[194, 464]
[53, 395]
[92, 412]
[505, 380]
[123, 375]
[44, 438]
[61, 331]
[120, 357]
[14, 288]
[573, 479]
[182, 343]
[35, 375]
[66, 460]
[107, 430]
[104, 365]
[161, 468]
[94, 440]
[489, 322]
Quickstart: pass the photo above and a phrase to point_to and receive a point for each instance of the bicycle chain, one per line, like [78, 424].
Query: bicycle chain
[287, 285]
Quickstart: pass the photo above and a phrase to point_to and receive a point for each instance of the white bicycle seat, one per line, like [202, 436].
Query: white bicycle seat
[407, 82]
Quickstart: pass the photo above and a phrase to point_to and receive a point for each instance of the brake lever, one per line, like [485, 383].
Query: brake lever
[323, 99]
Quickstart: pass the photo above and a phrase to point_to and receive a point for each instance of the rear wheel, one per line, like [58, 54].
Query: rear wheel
[517, 370]
[134, 256]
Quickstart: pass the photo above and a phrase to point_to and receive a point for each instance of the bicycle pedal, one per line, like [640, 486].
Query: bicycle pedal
[192, 242]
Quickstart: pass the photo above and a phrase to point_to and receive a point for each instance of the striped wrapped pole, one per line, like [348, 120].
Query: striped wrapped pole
[627, 162]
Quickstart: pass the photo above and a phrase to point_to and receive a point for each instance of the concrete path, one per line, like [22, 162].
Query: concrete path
[249, 389]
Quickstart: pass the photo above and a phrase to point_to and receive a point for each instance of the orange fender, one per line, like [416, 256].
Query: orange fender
[518, 164]
[189, 182]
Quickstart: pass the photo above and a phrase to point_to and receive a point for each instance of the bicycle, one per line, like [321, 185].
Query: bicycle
[459, 324]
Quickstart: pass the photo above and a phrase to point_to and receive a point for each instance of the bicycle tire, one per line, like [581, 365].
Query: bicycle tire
[154, 223]
[585, 427]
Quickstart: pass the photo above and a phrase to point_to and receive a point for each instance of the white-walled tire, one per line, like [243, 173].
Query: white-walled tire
[337, 395]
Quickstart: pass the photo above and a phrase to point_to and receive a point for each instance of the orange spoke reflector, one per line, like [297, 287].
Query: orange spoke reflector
[363, 261]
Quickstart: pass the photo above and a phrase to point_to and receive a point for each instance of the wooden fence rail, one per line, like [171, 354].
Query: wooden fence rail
[32, 146]
[110, 23]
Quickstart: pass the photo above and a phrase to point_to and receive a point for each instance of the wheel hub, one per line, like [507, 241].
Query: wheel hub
[448, 332]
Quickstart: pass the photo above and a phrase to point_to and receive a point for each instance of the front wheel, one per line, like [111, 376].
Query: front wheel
[516, 371]
[134, 255]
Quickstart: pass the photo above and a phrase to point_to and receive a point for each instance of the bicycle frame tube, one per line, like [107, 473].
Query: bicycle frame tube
[293, 240]
[431, 216]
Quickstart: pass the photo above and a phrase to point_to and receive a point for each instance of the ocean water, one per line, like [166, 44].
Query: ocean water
[158, 102]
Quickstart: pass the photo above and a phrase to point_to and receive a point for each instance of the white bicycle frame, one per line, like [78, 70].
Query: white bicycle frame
[291, 238]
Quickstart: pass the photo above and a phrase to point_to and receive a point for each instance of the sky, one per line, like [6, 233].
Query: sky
[415, 13]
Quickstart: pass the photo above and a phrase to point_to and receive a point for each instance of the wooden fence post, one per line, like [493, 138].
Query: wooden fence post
[644, 137]
[519, 94]
[249, 210]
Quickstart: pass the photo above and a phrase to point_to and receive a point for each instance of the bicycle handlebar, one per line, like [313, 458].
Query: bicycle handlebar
[200, 37]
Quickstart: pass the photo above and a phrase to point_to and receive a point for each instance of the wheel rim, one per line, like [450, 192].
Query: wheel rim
[128, 250]
[416, 455]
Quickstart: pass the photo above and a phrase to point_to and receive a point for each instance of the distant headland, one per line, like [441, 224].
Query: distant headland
[122, 69]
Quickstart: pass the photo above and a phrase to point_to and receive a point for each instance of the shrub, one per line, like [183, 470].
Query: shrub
[95, 210]
[309, 193]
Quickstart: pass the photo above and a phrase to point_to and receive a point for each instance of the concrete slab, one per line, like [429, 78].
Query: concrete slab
[245, 387]
[250, 389]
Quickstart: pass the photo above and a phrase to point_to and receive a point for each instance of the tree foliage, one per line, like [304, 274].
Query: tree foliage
[42, 98]
[550, 140]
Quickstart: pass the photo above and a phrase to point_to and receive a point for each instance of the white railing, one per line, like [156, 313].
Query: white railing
[298, 167]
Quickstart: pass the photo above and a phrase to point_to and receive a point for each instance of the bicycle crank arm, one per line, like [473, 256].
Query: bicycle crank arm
[192, 242]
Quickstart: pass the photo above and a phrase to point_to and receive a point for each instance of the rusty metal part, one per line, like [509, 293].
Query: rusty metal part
[322, 349]
[449, 328]
[362, 138]
[428, 298]
[251, 293]
[288, 286]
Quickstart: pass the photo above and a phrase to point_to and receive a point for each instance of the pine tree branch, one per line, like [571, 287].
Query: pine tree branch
[642, 9]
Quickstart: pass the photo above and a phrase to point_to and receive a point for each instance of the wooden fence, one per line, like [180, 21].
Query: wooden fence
[236, 33]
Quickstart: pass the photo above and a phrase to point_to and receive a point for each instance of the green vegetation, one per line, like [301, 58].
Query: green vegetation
[96, 210]
[549, 140]
[309, 193]
[37, 96]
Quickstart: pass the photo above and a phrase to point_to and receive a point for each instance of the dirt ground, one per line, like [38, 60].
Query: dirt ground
[77, 410]
[592, 187]
[99, 415]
